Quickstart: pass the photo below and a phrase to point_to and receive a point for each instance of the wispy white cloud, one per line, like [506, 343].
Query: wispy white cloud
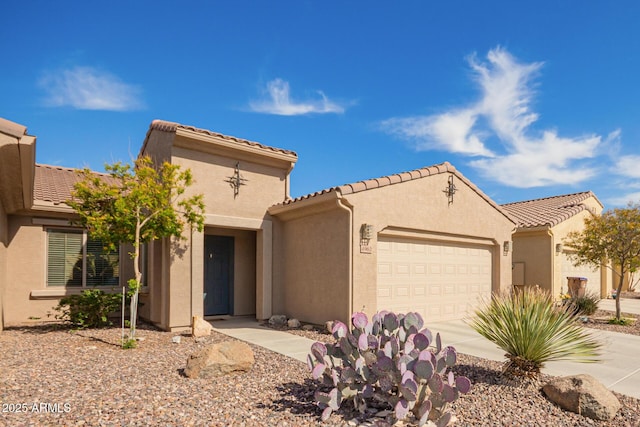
[87, 88]
[523, 158]
[623, 200]
[277, 100]
[628, 166]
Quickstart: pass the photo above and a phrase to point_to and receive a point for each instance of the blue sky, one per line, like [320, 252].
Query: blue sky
[526, 100]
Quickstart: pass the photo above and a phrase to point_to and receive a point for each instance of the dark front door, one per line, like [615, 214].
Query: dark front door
[218, 275]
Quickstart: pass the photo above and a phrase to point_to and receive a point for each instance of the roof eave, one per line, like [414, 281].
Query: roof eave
[221, 142]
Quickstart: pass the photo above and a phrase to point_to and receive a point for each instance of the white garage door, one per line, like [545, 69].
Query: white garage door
[569, 270]
[441, 281]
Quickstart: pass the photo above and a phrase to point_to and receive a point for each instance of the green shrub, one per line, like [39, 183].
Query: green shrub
[623, 321]
[387, 360]
[532, 330]
[129, 343]
[90, 309]
[587, 304]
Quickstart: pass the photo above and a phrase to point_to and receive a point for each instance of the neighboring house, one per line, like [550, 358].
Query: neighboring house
[426, 240]
[539, 256]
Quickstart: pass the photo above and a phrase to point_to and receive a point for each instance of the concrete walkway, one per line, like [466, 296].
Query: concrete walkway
[619, 369]
[249, 330]
[627, 305]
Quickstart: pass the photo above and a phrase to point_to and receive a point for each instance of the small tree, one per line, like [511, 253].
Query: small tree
[613, 236]
[136, 204]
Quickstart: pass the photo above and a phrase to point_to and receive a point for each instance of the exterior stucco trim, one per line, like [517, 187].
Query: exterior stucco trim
[391, 231]
[235, 143]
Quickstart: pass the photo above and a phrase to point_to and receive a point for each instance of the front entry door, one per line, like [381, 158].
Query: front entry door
[218, 275]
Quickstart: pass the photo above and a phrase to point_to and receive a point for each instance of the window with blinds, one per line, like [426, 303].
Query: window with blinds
[75, 260]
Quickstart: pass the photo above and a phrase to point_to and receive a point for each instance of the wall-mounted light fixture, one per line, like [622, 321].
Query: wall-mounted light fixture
[559, 248]
[506, 247]
[450, 190]
[366, 231]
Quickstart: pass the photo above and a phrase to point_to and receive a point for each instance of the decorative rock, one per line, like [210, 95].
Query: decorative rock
[220, 359]
[200, 327]
[176, 339]
[583, 395]
[308, 328]
[200, 340]
[293, 323]
[278, 320]
[329, 325]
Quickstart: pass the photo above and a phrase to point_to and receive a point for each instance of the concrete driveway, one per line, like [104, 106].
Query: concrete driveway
[619, 369]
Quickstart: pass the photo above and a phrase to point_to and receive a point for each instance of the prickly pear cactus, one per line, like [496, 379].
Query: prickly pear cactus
[389, 359]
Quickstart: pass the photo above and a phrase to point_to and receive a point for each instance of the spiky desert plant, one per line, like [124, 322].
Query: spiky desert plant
[533, 330]
[586, 304]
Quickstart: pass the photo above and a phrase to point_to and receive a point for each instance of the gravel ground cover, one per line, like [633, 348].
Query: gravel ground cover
[600, 320]
[87, 380]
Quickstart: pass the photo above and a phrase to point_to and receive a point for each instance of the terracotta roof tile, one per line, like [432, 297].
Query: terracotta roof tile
[54, 184]
[397, 179]
[165, 126]
[549, 211]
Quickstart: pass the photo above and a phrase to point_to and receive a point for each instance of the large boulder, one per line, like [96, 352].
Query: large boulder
[278, 320]
[200, 327]
[220, 359]
[583, 395]
[293, 323]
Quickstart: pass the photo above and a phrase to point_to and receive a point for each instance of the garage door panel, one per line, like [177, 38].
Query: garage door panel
[439, 280]
[402, 269]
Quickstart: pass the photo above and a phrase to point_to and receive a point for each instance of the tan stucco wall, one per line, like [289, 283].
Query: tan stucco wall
[158, 147]
[419, 209]
[535, 249]
[3, 260]
[264, 185]
[26, 265]
[157, 298]
[312, 270]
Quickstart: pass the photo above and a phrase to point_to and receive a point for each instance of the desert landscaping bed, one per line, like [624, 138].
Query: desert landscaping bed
[95, 383]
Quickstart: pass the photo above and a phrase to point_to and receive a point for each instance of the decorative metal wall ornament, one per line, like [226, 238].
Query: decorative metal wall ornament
[236, 180]
[450, 190]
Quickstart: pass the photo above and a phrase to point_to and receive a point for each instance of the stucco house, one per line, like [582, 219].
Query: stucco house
[539, 255]
[426, 240]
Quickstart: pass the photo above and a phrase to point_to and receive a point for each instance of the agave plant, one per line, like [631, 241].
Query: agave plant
[532, 331]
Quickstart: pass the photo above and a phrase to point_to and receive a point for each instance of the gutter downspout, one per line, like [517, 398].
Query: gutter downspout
[344, 204]
[287, 183]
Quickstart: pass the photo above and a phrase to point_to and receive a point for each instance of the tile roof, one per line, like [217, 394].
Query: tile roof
[549, 211]
[165, 126]
[54, 184]
[396, 179]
